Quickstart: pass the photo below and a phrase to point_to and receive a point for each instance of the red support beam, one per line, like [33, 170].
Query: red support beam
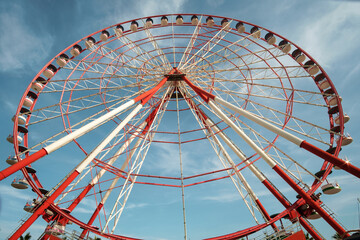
[266, 214]
[287, 205]
[91, 220]
[315, 205]
[331, 158]
[80, 197]
[45, 204]
[19, 165]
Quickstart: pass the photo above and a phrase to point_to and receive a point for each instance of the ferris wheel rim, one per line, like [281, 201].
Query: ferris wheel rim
[15, 131]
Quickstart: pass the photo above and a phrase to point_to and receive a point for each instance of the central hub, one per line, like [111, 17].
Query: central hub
[175, 76]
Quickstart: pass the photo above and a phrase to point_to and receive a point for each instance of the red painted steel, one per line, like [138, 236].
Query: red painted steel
[315, 205]
[296, 236]
[309, 229]
[26, 161]
[202, 93]
[331, 158]
[44, 205]
[149, 120]
[267, 216]
[80, 197]
[287, 205]
[147, 95]
[341, 122]
[91, 220]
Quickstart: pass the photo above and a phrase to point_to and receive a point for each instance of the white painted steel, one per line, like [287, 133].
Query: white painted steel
[288, 136]
[248, 140]
[106, 141]
[118, 153]
[125, 164]
[238, 153]
[87, 128]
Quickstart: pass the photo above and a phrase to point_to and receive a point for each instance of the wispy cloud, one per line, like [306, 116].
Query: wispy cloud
[317, 33]
[6, 227]
[224, 197]
[9, 105]
[215, 3]
[136, 205]
[84, 210]
[14, 193]
[119, 11]
[19, 43]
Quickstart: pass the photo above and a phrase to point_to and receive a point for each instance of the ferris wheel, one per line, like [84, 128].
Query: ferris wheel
[179, 105]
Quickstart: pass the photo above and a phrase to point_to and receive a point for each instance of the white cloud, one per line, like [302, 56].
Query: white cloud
[9, 105]
[84, 210]
[224, 197]
[215, 3]
[148, 7]
[119, 12]
[10, 192]
[317, 34]
[7, 227]
[135, 205]
[19, 44]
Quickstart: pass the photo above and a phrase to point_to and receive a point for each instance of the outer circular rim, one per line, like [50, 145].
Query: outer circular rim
[35, 184]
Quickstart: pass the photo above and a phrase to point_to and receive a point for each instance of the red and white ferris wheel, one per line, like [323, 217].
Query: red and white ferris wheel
[188, 103]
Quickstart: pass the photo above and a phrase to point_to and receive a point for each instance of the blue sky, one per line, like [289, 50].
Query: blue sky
[32, 32]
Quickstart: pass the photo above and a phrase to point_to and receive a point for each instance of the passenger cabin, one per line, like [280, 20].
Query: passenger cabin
[30, 169]
[255, 32]
[76, 50]
[62, 60]
[90, 42]
[346, 140]
[22, 149]
[21, 119]
[270, 38]
[10, 138]
[225, 24]
[194, 20]
[38, 84]
[49, 72]
[331, 188]
[20, 183]
[29, 207]
[119, 30]
[334, 100]
[149, 23]
[321, 173]
[29, 99]
[179, 20]
[285, 46]
[346, 119]
[104, 36]
[313, 215]
[324, 84]
[134, 26]
[210, 22]
[11, 160]
[25, 111]
[43, 191]
[164, 21]
[311, 67]
[56, 229]
[240, 27]
[298, 56]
